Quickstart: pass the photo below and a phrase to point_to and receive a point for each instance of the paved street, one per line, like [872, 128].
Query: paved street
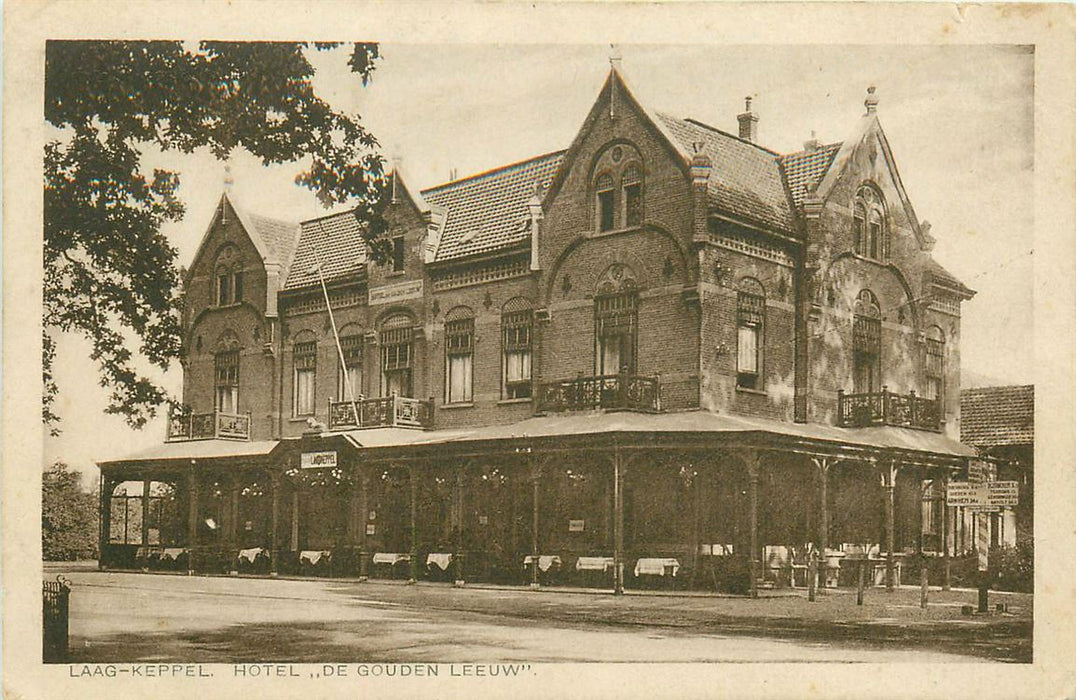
[120, 617]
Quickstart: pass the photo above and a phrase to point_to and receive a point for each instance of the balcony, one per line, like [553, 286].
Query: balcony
[385, 412]
[887, 408]
[614, 392]
[186, 425]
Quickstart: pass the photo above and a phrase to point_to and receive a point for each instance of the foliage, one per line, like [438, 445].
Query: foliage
[1014, 567]
[110, 273]
[68, 516]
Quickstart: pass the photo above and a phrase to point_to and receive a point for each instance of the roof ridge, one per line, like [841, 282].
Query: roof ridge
[493, 171]
[821, 147]
[696, 122]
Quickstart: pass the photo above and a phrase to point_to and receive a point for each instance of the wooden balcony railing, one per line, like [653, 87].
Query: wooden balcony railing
[626, 392]
[384, 412]
[187, 425]
[887, 408]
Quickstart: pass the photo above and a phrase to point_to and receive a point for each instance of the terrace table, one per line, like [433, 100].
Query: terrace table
[603, 564]
[391, 560]
[442, 560]
[657, 566]
[250, 555]
[545, 561]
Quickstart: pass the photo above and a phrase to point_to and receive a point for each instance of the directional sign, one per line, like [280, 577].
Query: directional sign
[990, 494]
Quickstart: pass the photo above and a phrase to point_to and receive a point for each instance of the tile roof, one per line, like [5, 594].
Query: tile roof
[945, 277]
[746, 180]
[489, 211]
[998, 415]
[806, 167]
[280, 237]
[336, 242]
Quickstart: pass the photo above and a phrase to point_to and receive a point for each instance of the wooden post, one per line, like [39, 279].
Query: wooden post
[923, 586]
[192, 517]
[618, 523]
[889, 480]
[145, 512]
[946, 576]
[459, 524]
[413, 483]
[752, 481]
[823, 464]
[274, 534]
[536, 475]
[812, 576]
[235, 529]
[695, 517]
[104, 510]
[859, 581]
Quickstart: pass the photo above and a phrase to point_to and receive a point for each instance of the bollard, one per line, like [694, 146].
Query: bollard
[923, 588]
[859, 583]
[812, 578]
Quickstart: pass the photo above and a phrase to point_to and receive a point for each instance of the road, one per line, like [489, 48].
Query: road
[124, 617]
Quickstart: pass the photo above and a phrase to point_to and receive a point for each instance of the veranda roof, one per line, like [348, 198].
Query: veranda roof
[195, 449]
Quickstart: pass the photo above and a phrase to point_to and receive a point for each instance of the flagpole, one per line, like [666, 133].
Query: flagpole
[336, 335]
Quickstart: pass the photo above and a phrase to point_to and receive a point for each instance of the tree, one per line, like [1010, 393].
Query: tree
[109, 271]
[68, 516]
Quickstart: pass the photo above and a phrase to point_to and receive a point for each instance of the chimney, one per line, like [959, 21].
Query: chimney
[813, 144]
[871, 103]
[748, 123]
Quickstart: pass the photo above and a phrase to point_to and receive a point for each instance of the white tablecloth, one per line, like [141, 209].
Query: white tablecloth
[313, 556]
[439, 559]
[390, 557]
[250, 554]
[593, 563]
[656, 566]
[545, 561]
[172, 553]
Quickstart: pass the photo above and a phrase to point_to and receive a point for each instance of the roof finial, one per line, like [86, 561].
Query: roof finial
[396, 160]
[614, 56]
[228, 179]
[871, 103]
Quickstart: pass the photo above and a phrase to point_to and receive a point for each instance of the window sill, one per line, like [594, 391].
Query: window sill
[756, 392]
[397, 273]
[451, 406]
[616, 231]
[301, 419]
[506, 402]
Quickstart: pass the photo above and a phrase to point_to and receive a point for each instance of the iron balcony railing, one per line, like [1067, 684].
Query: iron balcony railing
[625, 392]
[187, 425]
[887, 408]
[384, 412]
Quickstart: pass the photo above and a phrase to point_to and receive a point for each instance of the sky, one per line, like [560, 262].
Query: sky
[959, 120]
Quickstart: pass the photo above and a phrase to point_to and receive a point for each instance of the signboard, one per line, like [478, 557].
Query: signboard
[980, 471]
[391, 293]
[990, 494]
[317, 460]
[575, 526]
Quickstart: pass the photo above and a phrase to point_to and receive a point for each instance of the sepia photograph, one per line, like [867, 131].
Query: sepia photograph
[401, 359]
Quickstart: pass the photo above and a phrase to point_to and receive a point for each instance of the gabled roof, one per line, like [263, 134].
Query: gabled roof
[489, 210]
[335, 242]
[805, 168]
[279, 237]
[944, 278]
[746, 179]
[997, 416]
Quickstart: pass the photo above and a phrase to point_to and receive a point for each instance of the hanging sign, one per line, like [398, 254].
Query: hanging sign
[317, 460]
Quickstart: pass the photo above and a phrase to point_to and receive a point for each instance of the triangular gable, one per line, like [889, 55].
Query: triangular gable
[870, 127]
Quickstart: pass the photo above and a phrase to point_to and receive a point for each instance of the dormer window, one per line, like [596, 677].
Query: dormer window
[868, 225]
[618, 189]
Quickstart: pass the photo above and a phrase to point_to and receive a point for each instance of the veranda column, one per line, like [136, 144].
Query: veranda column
[104, 509]
[822, 464]
[752, 459]
[459, 525]
[274, 533]
[946, 582]
[618, 522]
[294, 540]
[364, 512]
[192, 516]
[536, 480]
[145, 512]
[889, 477]
[413, 484]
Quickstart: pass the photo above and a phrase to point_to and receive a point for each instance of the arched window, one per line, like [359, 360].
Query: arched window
[517, 326]
[867, 344]
[396, 338]
[750, 321]
[459, 355]
[349, 378]
[304, 355]
[226, 374]
[616, 319]
[228, 274]
[618, 188]
[868, 224]
[935, 364]
[603, 191]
